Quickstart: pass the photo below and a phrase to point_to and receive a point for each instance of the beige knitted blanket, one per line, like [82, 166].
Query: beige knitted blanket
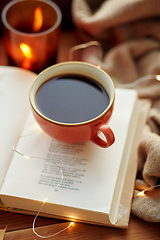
[129, 32]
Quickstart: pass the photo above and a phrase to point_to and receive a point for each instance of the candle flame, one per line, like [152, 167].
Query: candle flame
[38, 19]
[26, 50]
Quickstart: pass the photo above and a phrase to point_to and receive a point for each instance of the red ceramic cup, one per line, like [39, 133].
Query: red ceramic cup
[82, 131]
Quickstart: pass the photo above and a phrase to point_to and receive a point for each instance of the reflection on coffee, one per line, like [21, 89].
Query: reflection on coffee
[71, 99]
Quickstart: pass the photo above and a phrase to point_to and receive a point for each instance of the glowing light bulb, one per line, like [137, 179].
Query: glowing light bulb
[26, 157]
[45, 200]
[71, 224]
[158, 77]
[141, 193]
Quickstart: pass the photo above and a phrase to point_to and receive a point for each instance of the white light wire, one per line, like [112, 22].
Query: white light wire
[100, 54]
[138, 81]
[44, 201]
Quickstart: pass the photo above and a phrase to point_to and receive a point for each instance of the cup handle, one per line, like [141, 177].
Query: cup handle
[108, 133]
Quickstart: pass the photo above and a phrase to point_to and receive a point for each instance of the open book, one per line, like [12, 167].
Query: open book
[97, 183]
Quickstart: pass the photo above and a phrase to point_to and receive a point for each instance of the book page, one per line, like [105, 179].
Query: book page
[14, 107]
[89, 172]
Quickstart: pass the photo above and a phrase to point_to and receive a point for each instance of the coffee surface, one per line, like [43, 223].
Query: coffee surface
[71, 99]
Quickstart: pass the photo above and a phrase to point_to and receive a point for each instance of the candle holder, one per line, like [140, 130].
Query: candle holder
[31, 33]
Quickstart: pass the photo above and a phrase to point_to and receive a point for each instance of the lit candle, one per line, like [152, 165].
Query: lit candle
[32, 31]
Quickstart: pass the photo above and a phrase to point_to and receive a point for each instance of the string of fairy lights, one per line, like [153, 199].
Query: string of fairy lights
[126, 85]
[129, 85]
[46, 199]
[139, 194]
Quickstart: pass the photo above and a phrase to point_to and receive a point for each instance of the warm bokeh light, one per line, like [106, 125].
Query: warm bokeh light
[158, 77]
[71, 224]
[141, 194]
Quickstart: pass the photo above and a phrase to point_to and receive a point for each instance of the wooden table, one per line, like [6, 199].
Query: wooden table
[19, 226]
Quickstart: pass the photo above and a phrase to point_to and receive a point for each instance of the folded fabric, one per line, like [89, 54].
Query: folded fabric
[129, 32]
[112, 21]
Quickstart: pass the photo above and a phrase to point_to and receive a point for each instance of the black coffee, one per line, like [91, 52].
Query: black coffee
[71, 99]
